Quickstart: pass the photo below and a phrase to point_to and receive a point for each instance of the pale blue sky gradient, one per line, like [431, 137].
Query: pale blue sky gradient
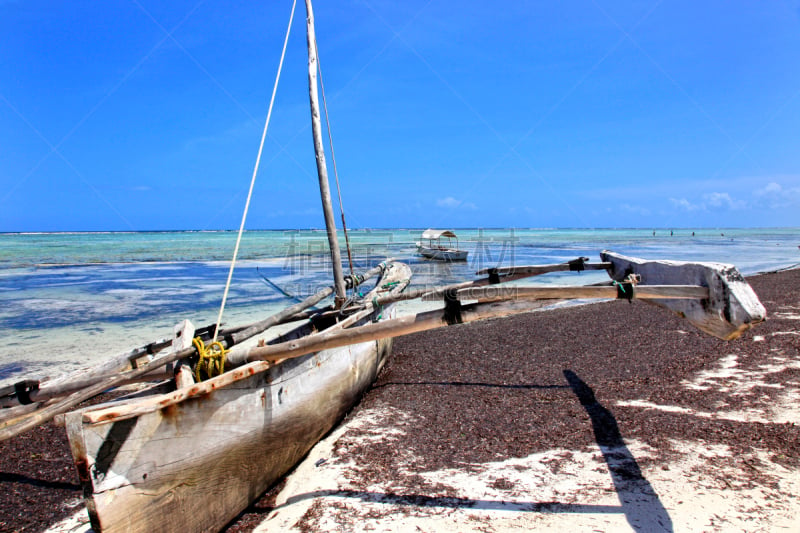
[136, 115]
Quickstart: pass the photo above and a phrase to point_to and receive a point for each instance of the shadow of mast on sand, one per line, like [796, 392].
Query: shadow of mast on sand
[639, 501]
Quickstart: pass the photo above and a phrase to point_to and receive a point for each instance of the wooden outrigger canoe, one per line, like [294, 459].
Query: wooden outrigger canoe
[193, 458]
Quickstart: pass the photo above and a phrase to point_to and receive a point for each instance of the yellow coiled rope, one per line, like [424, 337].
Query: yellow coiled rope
[212, 359]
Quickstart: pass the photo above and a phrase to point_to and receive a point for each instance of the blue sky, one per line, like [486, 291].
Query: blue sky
[136, 115]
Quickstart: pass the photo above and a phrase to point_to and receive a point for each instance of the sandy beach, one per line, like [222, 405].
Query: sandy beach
[606, 417]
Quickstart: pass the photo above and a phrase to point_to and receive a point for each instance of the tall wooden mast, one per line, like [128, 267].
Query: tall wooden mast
[322, 170]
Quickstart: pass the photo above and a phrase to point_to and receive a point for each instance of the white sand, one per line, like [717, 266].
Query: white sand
[700, 492]
[705, 489]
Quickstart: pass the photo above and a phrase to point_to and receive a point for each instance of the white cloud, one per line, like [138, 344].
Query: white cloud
[776, 196]
[448, 202]
[635, 209]
[715, 201]
[451, 203]
[723, 200]
[683, 203]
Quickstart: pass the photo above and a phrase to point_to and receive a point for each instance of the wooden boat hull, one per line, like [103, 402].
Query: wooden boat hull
[442, 255]
[194, 465]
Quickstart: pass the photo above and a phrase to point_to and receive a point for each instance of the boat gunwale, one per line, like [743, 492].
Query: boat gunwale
[116, 411]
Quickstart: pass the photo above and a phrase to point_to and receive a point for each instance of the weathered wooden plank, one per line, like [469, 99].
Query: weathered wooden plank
[498, 292]
[536, 270]
[78, 379]
[183, 335]
[193, 390]
[11, 415]
[389, 328]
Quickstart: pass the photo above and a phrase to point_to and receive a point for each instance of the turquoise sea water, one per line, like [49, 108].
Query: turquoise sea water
[71, 298]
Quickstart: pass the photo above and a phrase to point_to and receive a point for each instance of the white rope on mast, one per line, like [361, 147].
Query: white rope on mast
[253, 179]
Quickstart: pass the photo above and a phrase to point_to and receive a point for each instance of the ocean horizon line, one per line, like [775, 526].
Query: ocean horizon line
[465, 228]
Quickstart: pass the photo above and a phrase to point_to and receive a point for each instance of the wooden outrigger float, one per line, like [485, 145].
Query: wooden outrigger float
[191, 454]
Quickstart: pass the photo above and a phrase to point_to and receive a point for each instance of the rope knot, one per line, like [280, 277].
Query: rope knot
[211, 360]
[625, 288]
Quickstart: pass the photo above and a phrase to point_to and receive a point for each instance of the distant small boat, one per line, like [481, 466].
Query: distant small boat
[436, 248]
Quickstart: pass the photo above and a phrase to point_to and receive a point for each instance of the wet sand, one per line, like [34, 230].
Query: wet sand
[605, 416]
